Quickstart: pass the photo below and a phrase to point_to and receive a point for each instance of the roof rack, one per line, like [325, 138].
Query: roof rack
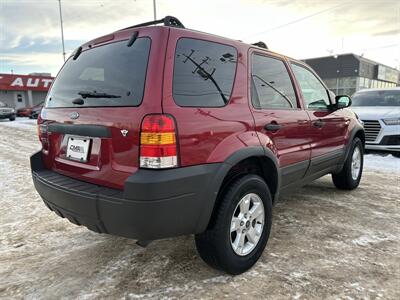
[261, 45]
[167, 21]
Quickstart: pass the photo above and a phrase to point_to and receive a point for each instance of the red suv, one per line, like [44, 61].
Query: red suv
[159, 131]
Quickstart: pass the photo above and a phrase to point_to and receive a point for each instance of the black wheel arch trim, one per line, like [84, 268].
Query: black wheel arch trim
[248, 152]
[358, 128]
[232, 160]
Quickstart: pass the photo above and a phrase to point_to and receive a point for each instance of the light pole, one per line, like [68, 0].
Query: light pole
[62, 30]
[154, 10]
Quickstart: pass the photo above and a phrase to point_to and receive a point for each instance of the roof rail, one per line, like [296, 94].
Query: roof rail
[261, 45]
[167, 21]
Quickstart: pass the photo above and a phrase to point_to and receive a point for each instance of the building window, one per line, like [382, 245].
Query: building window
[367, 83]
[361, 82]
[19, 98]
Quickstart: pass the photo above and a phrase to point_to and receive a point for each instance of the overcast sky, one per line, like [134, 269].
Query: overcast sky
[30, 39]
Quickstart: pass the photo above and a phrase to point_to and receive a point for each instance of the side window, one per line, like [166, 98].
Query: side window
[271, 84]
[204, 73]
[314, 93]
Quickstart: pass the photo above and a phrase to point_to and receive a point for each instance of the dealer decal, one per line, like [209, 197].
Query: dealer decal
[77, 149]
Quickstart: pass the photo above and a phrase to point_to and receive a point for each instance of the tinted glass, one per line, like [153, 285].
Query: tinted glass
[272, 87]
[204, 73]
[376, 98]
[314, 93]
[109, 75]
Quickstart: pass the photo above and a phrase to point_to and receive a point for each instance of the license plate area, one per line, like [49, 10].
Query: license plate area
[78, 148]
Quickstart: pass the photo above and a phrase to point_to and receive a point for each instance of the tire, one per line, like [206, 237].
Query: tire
[12, 118]
[216, 245]
[345, 180]
[396, 154]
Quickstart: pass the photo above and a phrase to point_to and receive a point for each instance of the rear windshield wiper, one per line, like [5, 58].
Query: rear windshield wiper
[86, 94]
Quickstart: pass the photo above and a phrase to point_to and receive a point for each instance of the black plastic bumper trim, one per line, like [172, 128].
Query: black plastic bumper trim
[154, 204]
[81, 129]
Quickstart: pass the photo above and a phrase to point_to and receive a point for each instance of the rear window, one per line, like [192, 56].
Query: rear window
[376, 98]
[109, 75]
[204, 73]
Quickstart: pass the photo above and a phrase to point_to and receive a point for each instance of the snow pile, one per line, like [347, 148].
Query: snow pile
[383, 163]
[21, 123]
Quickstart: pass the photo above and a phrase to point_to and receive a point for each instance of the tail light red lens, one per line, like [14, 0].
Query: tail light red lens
[158, 147]
[42, 133]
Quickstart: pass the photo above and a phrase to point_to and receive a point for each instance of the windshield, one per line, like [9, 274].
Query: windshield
[109, 75]
[376, 98]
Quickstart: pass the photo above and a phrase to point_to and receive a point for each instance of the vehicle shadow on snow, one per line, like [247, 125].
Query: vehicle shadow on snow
[162, 264]
[169, 262]
[118, 266]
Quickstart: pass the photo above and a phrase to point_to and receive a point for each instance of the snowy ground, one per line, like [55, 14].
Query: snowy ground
[325, 243]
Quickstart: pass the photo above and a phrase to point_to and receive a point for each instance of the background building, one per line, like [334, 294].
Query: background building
[348, 73]
[21, 91]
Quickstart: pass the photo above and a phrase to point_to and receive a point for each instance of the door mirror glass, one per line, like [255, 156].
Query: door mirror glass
[342, 101]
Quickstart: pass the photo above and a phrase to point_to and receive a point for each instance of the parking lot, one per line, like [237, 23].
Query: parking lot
[325, 243]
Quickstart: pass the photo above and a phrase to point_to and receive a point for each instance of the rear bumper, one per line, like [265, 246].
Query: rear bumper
[153, 205]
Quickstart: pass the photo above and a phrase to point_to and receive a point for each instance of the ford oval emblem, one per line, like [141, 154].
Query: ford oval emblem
[74, 115]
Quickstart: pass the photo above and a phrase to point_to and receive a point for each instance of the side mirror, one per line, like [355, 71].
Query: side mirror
[342, 101]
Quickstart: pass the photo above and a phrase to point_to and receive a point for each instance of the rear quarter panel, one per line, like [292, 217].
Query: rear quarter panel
[210, 134]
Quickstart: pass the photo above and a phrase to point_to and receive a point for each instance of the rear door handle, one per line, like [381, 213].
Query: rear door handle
[272, 127]
[318, 123]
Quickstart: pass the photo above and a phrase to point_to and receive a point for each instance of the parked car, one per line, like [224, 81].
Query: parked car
[159, 131]
[27, 111]
[6, 112]
[24, 111]
[379, 109]
[35, 111]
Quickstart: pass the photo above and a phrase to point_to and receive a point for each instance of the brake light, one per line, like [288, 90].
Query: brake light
[158, 147]
[42, 133]
[39, 119]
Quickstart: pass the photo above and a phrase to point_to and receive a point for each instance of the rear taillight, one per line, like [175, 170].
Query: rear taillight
[42, 133]
[39, 120]
[158, 147]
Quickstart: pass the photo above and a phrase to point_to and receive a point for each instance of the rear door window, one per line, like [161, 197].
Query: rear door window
[204, 73]
[272, 87]
[109, 75]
